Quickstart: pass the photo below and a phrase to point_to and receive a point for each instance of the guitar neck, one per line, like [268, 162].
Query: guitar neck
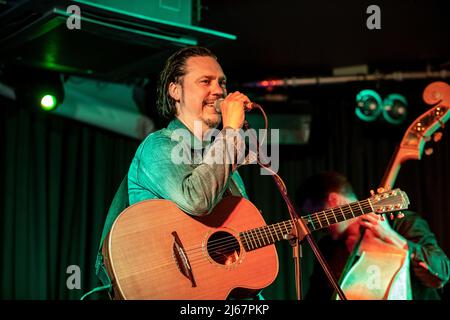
[260, 237]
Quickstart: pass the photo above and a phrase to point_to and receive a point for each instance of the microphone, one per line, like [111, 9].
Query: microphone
[247, 105]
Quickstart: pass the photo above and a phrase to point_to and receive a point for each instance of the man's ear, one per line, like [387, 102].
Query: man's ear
[334, 199]
[175, 91]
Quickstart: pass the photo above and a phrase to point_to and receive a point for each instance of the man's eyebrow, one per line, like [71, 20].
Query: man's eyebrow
[213, 77]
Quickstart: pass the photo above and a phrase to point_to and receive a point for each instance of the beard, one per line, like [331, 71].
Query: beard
[212, 123]
[212, 120]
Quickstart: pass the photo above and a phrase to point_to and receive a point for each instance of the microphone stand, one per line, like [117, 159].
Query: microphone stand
[299, 232]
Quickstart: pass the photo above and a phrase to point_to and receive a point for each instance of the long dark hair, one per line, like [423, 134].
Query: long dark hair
[174, 70]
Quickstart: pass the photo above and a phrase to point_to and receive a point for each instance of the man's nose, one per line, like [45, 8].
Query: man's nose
[218, 90]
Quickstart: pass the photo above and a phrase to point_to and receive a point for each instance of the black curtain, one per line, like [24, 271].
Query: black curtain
[59, 177]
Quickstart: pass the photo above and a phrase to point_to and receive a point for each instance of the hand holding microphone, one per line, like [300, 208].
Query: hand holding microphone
[232, 109]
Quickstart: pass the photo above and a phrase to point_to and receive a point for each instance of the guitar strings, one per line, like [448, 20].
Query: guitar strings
[230, 244]
[329, 213]
[226, 245]
[262, 230]
[315, 218]
[254, 239]
[364, 204]
[254, 235]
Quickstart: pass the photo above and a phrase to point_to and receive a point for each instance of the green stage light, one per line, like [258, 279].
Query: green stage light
[368, 105]
[395, 108]
[37, 89]
[48, 102]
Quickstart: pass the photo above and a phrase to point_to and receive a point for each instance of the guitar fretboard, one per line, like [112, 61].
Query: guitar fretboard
[260, 237]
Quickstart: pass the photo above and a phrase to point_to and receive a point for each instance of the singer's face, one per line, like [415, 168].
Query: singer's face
[203, 83]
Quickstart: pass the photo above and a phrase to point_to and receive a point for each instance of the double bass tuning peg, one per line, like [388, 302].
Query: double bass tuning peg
[381, 190]
[437, 136]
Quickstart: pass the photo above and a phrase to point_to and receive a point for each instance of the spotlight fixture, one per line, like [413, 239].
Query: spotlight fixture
[395, 108]
[49, 102]
[368, 105]
[36, 88]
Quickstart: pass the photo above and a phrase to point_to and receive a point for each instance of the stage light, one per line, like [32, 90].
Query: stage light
[47, 91]
[48, 102]
[36, 89]
[368, 105]
[395, 108]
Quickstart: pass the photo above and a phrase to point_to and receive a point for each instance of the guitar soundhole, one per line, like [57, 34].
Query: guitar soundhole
[223, 248]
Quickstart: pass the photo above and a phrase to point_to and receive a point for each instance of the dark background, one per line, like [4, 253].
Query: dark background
[295, 38]
[59, 176]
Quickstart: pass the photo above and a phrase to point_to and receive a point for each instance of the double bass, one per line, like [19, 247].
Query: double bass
[382, 270]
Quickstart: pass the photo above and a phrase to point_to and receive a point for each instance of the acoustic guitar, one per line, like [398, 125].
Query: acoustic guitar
[382, 271]
[156, 251]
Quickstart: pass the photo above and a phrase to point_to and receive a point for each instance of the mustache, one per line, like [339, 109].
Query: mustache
[212, 101]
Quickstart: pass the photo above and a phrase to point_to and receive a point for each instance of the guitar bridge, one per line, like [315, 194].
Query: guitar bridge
[181, 259]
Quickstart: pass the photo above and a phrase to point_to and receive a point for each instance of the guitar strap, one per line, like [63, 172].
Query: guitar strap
[119, 203]
[233, 189]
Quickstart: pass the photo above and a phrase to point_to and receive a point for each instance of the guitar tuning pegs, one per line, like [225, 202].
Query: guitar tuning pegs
[400, 215]
[380, 190]
[391, 216]
[429, 151]
[419, 127]
[372, 193]
[437, 136]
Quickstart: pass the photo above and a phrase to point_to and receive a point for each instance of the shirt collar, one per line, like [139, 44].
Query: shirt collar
[177, 124]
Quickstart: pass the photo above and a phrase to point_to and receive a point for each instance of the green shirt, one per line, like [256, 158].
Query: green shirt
[173, 164]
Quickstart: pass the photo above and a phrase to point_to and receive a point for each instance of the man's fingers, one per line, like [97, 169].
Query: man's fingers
[237, 96]
[367, 225]
[371, 220]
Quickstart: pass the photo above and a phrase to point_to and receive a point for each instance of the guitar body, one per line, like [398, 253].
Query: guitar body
[156, 251]
[381, 272]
